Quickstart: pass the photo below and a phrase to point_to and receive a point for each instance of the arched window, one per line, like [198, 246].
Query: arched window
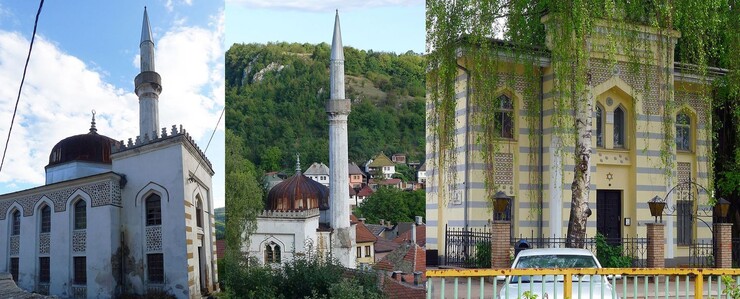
[619, 130]
[599, 126]
[153, 210]
[199, 212]
[272, 253]
[504, 117]
[683, 132]
[16, 225]
[80, 221]
[45, 219]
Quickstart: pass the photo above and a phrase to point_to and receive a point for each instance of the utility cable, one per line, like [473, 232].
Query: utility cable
[23, 79]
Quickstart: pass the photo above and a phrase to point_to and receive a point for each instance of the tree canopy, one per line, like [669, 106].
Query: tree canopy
[392, 204]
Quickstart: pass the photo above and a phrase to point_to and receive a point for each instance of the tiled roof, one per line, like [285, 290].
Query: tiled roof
[317, 169]
[354, 169]
[365, 191]
[385, 245]
[408, 258]
[421, 236]
[389, 182]
[423, 167]
[364, 234]
[381, 160]
[376, 229]
[396, 289]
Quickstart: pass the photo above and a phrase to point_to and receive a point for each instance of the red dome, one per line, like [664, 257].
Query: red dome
[298, 193]
[90, 147]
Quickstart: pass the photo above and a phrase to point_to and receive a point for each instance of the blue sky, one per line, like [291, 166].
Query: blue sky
[85, 57]
[380, 25]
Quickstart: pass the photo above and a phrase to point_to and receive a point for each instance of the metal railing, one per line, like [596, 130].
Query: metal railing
[470, 247]
[624, 283]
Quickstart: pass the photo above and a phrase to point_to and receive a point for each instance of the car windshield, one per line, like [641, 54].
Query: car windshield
[551, 261]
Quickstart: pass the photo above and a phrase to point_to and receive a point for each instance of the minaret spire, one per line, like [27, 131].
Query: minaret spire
[148, 84]
[337, 109]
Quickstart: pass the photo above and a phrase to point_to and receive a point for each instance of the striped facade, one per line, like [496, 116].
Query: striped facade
[536, 170]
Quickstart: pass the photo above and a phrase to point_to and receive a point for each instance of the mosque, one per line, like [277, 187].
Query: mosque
[302, 216]
[116, 217]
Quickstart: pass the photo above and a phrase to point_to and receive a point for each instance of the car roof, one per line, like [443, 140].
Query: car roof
[557, 251]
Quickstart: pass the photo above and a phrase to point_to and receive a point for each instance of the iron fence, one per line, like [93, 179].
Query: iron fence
[701, 254]
[470, 247]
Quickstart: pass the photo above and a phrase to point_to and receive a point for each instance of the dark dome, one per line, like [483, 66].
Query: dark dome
[298, 193]
[90, 147]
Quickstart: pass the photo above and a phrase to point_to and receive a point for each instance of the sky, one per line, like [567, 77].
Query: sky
[85, 57]
[381, 25]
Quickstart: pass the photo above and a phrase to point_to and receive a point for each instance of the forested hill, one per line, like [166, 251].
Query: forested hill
[276, 96]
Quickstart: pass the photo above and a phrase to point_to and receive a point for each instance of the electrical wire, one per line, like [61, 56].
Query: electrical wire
[211, 138]
[23, 79]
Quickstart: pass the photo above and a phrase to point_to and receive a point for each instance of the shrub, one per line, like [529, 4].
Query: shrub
[611, 256]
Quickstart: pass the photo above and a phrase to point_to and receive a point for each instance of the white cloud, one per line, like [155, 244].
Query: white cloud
[58, 95]
[321, 5]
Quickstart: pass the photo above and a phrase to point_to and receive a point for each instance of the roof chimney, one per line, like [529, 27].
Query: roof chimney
[413, 233]
[362, 219]
[397, 275]
[417, 278]
[382, 222]
[417, 220]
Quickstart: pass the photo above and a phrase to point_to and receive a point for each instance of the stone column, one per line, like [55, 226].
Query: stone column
[723, 245]
[500, 232]
[655, 245]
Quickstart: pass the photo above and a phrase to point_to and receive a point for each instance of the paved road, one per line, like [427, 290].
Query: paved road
[628, 286]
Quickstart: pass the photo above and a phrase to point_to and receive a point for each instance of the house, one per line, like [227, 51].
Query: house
[421, 174]
[356, 176]
[273, 178]
[363, 194]
[380, 166]
[365, 251]
[398, 158]
[318, 172]
[627, 150]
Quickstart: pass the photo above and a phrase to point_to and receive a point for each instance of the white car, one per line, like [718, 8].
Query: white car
[550, 286]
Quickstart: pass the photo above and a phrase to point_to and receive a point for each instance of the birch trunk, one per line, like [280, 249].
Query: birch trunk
[579, 209]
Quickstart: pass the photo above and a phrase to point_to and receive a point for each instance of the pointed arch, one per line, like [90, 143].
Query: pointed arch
[620, 127]
[685, 125]
[150, 188]
[44, 208]
[599, 124]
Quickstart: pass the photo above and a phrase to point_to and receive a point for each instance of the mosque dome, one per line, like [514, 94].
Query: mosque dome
[298, 192]
[90, 147]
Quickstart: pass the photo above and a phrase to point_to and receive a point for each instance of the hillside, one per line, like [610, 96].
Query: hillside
[276, 94]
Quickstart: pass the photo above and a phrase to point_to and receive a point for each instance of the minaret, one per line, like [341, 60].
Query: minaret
[148, 85]
[337, 109]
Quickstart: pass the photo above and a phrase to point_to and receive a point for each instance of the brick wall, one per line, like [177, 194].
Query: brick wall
[500, 232]
[723, 241]
[655, 245]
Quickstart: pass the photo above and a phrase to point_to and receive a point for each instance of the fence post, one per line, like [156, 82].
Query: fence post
[723, 242]
[500, 234]
[655, 245]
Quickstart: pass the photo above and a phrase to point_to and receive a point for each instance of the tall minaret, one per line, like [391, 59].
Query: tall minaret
[338, 108]
[148, 84]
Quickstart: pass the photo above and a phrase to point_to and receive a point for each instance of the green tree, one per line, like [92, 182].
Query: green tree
[392, 204]
[243, 203]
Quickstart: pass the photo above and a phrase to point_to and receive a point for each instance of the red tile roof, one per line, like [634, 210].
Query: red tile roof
[421, 236]
[396, 289]
[390, 182]
[385, 245]
[364, 234]
[365, 191]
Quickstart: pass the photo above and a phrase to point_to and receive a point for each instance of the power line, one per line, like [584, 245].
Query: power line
[211, 138]
[23, 79]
